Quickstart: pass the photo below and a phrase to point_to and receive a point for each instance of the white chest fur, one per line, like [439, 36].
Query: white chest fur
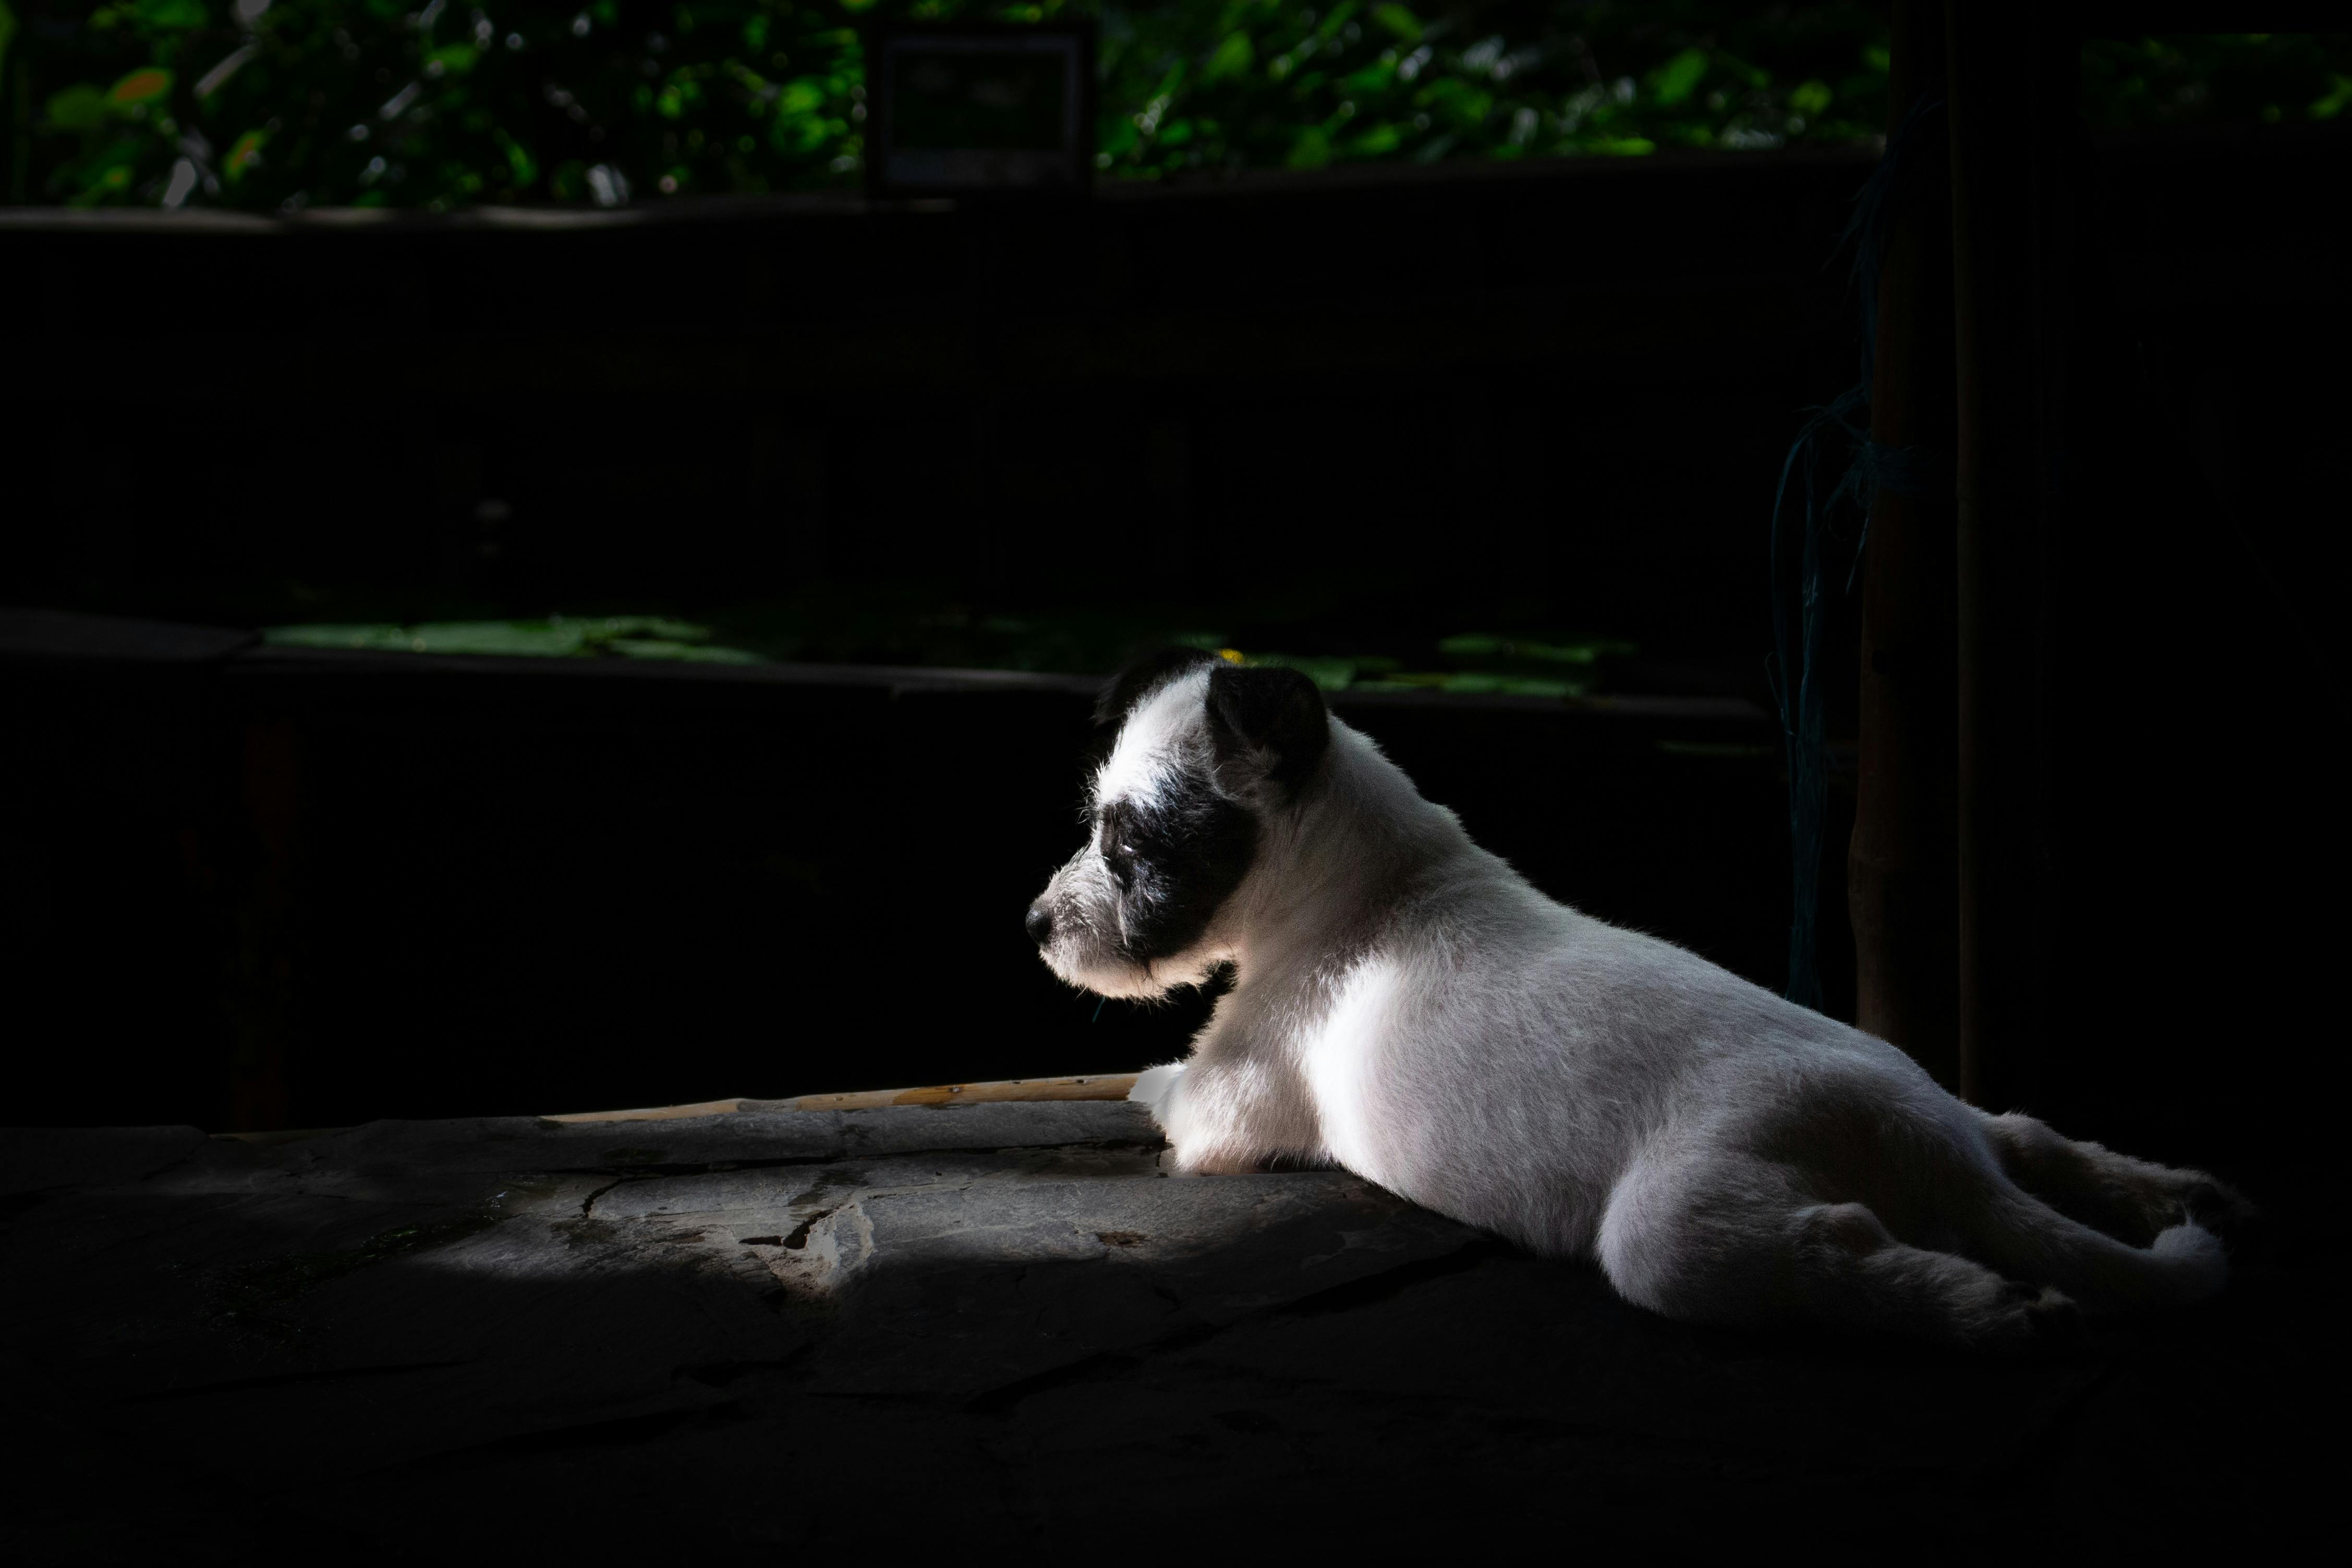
[1341, 1062]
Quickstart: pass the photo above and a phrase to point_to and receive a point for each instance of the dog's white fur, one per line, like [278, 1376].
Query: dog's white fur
[1407, 1006]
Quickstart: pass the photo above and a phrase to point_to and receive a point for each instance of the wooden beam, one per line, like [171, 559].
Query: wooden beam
[1091, 1086]
[1085, 1086]
[1900, 863]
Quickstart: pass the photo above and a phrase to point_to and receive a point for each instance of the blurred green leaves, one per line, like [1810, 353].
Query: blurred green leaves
[139, 89]
[153, 16]
[557, 637]
[436, 103]
[2240, 78]
[1470, 663]
[1084, 642]
[1484, 79]
[1674, 82]
[1231, 57]
[432, 103]
[1398, 21]
[80, 109]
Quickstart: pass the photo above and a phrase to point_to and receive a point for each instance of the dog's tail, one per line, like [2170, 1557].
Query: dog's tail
[2025, 1238]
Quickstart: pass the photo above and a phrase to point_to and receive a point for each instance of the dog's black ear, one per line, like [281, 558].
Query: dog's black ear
[1143, 676]
[1267, 722]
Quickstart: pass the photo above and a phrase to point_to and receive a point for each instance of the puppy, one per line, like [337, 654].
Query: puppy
[1406, 1006]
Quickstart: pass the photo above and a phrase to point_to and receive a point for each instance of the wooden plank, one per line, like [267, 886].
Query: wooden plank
[1085, 1086]
[1090, 1086]
[654, 1112]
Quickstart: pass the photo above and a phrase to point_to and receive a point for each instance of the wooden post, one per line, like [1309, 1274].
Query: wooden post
[1901, 863]
[2011, 80]
[261, 993]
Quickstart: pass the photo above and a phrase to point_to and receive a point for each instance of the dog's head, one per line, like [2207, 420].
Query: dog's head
[1204, 757]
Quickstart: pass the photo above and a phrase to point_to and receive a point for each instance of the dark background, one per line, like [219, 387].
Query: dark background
[281, 888]
[1565, 387]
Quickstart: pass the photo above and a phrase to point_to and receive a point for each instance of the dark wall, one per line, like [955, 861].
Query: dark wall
[2199, 567]
[1391, 385]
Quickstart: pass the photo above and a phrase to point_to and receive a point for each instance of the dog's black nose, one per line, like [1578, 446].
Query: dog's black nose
[1040, 923]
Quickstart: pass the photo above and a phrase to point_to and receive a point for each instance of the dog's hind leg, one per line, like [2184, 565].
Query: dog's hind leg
[2017, 1233]
[2132, 1200]
[1740, 1243]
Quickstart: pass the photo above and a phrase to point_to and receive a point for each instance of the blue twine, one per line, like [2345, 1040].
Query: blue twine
[1867, 468]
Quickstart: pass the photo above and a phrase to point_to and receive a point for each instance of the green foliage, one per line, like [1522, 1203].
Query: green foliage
[1287, 86]
[1071, 643]
[278, 104]
[1473, 662]
[557, 637]
[2202, 78]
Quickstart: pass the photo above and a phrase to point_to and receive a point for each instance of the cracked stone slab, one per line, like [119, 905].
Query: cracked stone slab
[364, 1298]
[985, 1325]
[38, 1159]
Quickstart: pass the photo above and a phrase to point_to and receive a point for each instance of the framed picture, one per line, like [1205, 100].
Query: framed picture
[975, 109]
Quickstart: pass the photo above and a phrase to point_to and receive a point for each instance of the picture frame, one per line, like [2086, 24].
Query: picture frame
[980, 110]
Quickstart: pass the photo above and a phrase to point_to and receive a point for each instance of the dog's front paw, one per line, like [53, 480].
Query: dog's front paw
[1153, 1087]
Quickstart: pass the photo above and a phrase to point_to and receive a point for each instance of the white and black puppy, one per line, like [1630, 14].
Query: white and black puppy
[1405, 1005]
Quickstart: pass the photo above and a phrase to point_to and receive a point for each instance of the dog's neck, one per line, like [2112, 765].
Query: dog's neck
[1335, 868]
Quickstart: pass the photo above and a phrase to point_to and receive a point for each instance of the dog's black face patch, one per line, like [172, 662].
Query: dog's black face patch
[1176, 859]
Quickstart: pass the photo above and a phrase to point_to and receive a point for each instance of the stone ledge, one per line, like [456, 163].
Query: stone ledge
[993, 1327]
